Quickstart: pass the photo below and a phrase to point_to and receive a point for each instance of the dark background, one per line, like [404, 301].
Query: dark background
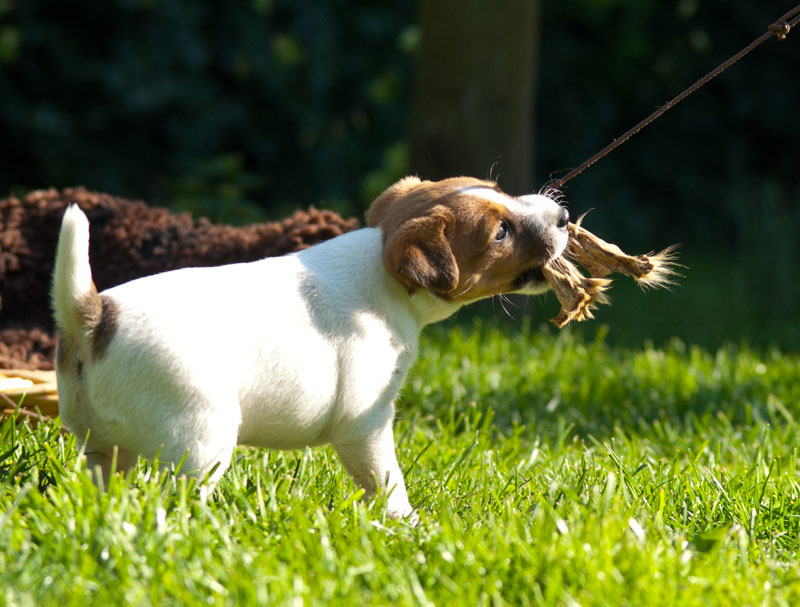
[244, 111]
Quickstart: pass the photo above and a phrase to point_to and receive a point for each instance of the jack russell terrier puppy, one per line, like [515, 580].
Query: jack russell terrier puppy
[287, 352]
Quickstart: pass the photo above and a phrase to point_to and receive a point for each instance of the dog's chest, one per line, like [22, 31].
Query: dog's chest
[312, 389]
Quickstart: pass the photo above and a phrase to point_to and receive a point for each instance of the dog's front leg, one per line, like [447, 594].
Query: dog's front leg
[372, 463]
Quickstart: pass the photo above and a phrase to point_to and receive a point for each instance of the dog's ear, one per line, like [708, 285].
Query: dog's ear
[418, 254]
[380, 208]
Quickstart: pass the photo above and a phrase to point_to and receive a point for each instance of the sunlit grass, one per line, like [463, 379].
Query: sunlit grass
[548, 471]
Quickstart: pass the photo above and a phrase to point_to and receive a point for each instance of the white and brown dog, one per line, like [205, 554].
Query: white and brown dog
[288, 352]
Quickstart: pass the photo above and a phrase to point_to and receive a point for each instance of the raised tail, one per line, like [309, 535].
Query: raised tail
[76, 304]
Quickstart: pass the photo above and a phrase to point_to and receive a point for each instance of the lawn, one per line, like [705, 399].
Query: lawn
[549, 469]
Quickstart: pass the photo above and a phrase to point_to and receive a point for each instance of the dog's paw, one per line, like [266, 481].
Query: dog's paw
[412, 518]
[403, 512]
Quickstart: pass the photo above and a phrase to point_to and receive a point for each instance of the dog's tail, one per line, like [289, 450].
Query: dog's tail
[76, 304]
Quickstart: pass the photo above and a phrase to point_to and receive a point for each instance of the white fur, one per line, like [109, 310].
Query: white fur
[72, 274]
[284, 353]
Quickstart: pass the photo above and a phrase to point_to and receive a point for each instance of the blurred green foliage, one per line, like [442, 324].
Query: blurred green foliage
[234, 109]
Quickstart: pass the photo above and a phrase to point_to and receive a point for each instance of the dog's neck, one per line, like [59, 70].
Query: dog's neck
[429, 308]
[356, 259]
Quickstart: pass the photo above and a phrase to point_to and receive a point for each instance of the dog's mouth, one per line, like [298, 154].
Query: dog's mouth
[533, 277]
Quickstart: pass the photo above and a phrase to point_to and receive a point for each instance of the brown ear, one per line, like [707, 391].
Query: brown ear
[378, 209]
[419, 255]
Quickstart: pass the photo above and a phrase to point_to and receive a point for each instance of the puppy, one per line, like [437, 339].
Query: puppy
[288, 352]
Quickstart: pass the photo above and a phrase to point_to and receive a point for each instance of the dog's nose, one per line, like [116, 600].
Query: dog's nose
[563, 218]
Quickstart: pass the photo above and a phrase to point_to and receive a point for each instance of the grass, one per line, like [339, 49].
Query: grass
[549, 470]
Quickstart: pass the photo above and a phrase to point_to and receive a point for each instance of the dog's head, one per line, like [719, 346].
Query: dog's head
[463, 239]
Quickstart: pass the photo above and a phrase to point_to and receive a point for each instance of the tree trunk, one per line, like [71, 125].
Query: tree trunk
[473, 105]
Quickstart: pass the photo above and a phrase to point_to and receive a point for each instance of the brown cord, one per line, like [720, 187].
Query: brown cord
[779, 29]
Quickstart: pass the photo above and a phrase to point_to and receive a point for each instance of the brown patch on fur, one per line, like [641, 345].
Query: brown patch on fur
[380, 207]
[441, 238]
[66, 359]
[63, 351]
[89, 309]
[420, 256]
[106, 327]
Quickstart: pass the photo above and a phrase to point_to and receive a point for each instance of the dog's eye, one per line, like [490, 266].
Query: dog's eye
[502, 231]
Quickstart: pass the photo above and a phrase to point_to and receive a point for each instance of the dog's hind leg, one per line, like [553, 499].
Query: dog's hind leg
[104, 464]
[204, 449]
